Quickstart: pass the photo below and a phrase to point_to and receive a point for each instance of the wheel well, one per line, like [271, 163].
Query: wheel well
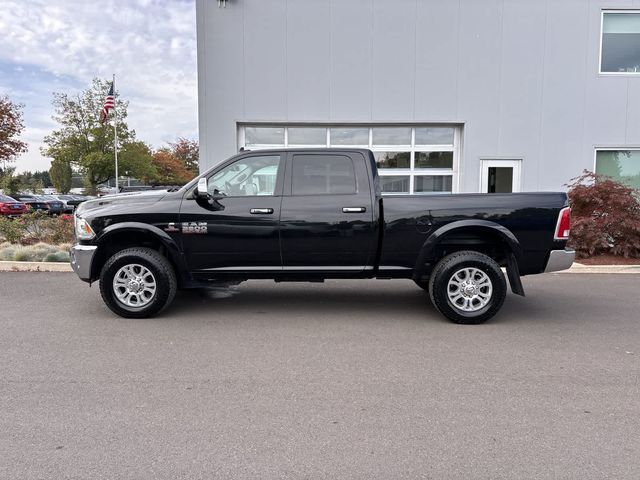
[119, 241]
[480, 239]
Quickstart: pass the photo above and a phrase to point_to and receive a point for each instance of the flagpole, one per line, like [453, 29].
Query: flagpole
[115, 130]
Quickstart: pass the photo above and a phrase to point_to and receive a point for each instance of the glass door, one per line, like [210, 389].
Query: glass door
[500, 176]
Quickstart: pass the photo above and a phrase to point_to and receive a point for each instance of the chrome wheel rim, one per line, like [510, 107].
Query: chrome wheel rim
[134, 285]
[469, 289]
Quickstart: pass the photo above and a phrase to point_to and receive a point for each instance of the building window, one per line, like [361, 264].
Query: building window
[307, 136]
[620, 50]
[420, 159]
[352, 137]
[621, 165]
[263, 137]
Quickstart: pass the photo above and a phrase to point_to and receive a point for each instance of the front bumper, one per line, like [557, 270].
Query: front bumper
[81, 258]
[560, 260]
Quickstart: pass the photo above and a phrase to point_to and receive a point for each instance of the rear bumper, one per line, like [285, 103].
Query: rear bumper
[560, 260]
[81, 258]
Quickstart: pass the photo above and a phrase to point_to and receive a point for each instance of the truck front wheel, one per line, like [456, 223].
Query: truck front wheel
[467, 287]
[137, 283]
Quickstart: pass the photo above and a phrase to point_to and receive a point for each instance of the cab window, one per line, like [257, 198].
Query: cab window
[323, 175]
[251, 176]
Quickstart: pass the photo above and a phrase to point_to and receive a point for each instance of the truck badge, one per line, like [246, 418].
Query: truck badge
[194, 227]
[171, 227]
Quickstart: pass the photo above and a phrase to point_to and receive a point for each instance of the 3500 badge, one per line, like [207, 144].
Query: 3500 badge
[188, 227]
[194, 227]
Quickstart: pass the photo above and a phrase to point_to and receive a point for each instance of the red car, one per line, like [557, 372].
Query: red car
[10, 207]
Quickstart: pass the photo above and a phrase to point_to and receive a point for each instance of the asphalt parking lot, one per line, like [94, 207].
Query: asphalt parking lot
[347, 379]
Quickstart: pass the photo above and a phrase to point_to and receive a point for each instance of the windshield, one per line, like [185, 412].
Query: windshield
[4, 198]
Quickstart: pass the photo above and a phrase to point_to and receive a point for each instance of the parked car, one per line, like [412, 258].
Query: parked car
[56, 206]
[313, 214]
[32, 202]
[78, 199]
[10, 207]
[65, 201]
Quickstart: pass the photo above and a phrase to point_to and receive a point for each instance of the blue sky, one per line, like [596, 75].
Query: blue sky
[60, 45]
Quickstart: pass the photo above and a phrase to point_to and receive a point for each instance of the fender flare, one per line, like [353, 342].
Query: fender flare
[173, 250]
[492, 227]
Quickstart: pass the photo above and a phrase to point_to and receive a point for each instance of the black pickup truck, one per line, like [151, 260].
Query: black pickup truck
[313, 214]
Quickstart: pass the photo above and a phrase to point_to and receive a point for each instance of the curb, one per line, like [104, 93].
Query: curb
[619, 269]
[35, 267]
[65, 267]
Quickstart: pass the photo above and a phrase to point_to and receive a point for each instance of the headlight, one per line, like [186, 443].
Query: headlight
[83, 229]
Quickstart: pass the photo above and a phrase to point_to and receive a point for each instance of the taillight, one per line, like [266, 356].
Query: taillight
[563, 227]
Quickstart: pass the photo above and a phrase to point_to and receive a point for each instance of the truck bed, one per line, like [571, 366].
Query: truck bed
[411, 219]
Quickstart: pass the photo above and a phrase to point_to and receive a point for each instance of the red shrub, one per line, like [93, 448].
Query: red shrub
[605, 217]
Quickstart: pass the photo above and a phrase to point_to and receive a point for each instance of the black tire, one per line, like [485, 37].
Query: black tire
[161, 272]
[444, 272]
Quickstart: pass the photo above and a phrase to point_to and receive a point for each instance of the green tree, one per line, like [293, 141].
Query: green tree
[44, 177]
[60, 173]
[85, 143]
[33, 181]
[9, 182]
[137, 160]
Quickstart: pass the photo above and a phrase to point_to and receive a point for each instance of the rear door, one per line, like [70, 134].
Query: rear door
[238, 232]
[327, 216]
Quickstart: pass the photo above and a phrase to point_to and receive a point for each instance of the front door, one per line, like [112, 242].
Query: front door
[327, 219]
[500, 176]
[239, 231]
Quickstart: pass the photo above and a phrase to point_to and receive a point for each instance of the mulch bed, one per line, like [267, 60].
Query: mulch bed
[608, 260]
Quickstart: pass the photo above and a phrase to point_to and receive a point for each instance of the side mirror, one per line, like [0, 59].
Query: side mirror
[202, 191]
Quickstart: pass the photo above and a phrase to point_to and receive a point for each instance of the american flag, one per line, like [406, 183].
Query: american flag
[109, 104]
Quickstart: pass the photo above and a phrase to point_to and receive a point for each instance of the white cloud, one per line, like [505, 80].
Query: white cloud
[150, 45]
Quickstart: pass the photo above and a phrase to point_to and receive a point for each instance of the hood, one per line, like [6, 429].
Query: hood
[129, 198]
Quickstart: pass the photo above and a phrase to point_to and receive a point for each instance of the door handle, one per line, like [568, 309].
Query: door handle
[261, 211]
[353, 209]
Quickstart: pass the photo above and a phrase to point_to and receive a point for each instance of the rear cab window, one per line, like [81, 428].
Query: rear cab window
[323, 174]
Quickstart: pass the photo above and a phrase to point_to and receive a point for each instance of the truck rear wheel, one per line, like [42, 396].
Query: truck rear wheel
[467, 287]
[137, 283]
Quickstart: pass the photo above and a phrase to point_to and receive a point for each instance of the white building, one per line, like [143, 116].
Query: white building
[462, 96]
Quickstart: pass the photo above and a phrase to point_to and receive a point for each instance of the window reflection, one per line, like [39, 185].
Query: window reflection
[434, 136]
[263, 136]
[392, 136]
[621, 165]
[393, 159]
[307, 136]
[323, 174]
[395, 184]
[434, 159]
[250, 176]
[349, 136]
[432, 183]
[621, 43]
